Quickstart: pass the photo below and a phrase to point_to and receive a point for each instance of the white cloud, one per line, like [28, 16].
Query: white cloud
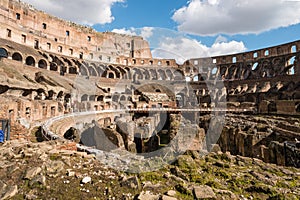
[125, 31]
[87, 12]
[182, 49]
[212, 17]
[145, 32]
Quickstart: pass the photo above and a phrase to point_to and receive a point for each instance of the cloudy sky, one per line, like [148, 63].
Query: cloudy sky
[184, 29]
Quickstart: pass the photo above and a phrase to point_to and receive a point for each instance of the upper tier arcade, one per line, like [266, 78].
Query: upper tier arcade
[21, 23]
[264, 63]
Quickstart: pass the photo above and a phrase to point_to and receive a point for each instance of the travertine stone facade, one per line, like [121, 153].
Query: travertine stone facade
[23, 24]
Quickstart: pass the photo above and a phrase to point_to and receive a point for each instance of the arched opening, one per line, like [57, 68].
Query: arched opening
[83, 71]
[67, 98]
[214, 70]
[3, 89]
[51, 94]
[291, 71]
[290, 66]
[100, 98]
[115, 98]
[17, 56]
[291, 61]
[196, 78]
[255, 55]
[111, 75]
[169, 74]
[42, 64]
[92, 71]
[92, 98]
[53, 66]
[294, 49]
[254, 66]
[84, 98]
[162, 75]
[233, 59]
[3, 53]
[30, 61]
[123, 98]
[180, 100]
[267, 53]
[60, 95]
[72, 70]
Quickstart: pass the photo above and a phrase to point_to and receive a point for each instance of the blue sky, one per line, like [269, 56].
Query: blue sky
[188, 29]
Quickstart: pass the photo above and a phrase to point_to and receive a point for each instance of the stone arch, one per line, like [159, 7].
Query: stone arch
[84, 98]
[180, 100]
[147, 74]
[196, 78]
[290, 65]
[123, 98]
[116, 97]
[122, 72]
[60, 95]
[42, 64]
[255, 66]
[128, 72]
[231, 72]
[162, 75]
[30, 61]
[83, 70]
[3, 53]
[267, 70]
[137, 74]
[67, 98]
[169, 74]
[99, 70]
[72, 70]
[56, 60]
[51, 94]
[66, 60]
[111, 74]
[53, 66]
[100, 98]
[154, 74]
[92, 70]
[293, 48]
[92, 98]
[223, 71]
[116, 71]
[178, 75]
[17, 57]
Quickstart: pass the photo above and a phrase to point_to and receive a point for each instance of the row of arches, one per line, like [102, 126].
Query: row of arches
[263, 68]
[29, 60]
[266, 68]
[67, 65]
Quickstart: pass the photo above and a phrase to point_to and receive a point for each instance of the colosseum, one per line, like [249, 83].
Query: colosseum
[72, 81]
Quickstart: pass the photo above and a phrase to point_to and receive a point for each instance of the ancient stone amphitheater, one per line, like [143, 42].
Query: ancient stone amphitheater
[71, 81]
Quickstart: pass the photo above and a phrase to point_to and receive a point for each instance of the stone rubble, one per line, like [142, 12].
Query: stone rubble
[65, 174]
